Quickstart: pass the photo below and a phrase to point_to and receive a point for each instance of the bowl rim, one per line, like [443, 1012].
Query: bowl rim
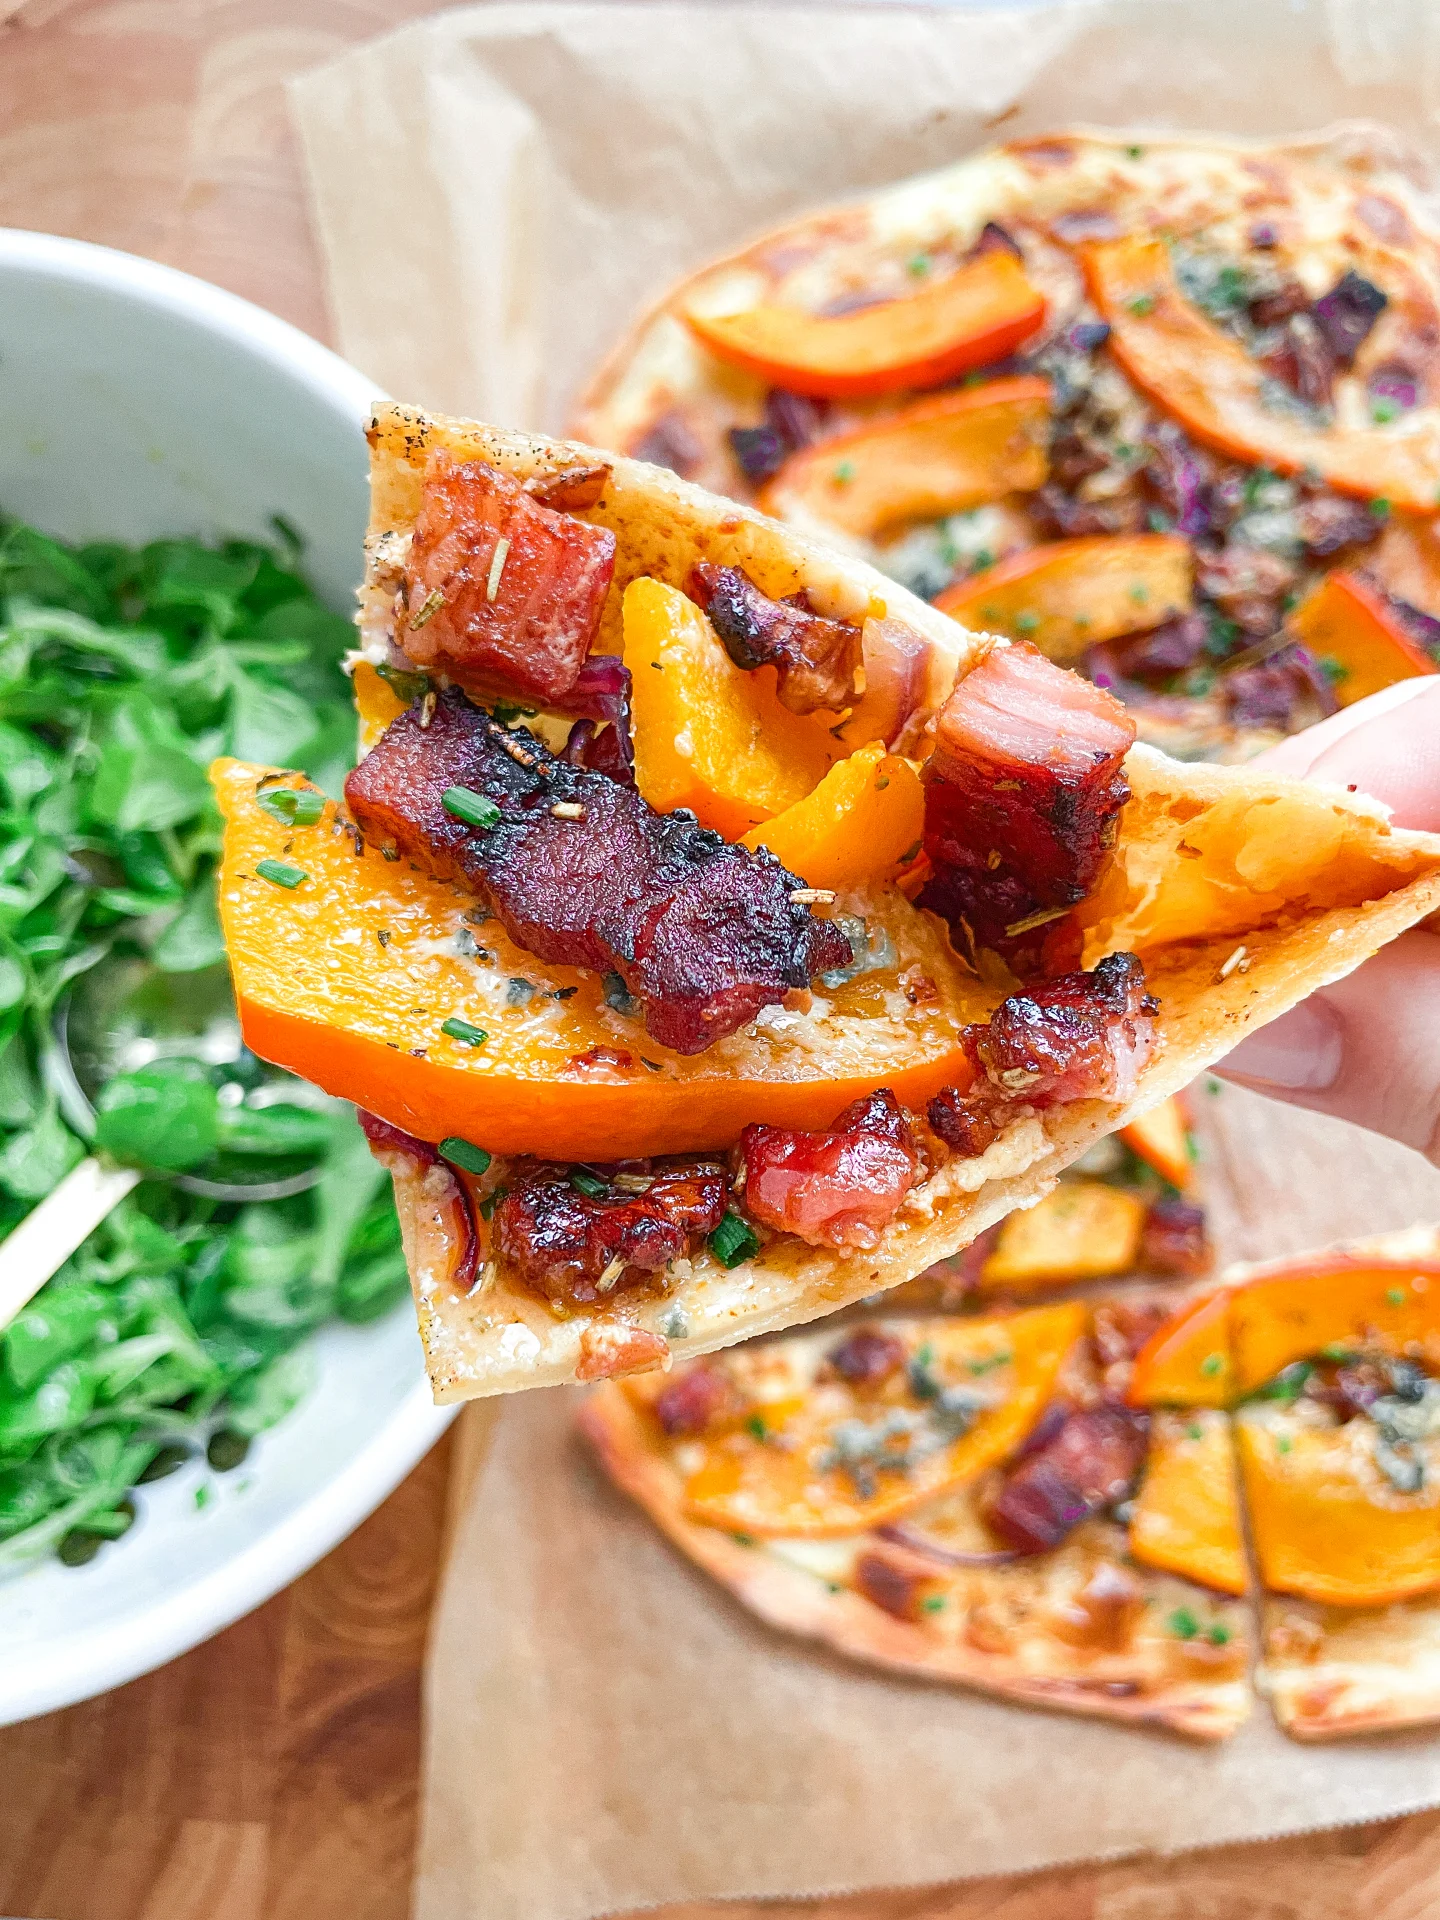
[170, 290]
[109, 1654]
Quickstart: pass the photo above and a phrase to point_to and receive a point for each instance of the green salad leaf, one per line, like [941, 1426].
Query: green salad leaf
[178, 1330]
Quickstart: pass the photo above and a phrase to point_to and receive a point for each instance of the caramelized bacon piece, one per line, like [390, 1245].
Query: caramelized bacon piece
[895, 1586]
[390, 1146]
[866, 1357]
[521, 619]
[1174, 1238]
[1022, 795]
[1084, 1036]
[704, 934]
[814, 658]
[835, 1189]
[571, 490]
[694, 1400]
[1088, 1464]
[578, 1247]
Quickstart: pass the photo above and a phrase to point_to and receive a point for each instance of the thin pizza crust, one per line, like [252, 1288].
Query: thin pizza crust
[800, 1590]
[1334, 882]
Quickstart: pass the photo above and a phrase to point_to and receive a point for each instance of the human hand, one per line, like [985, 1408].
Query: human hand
[1368, 1048]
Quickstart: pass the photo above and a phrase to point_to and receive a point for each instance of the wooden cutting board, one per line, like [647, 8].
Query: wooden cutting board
[274, 1772]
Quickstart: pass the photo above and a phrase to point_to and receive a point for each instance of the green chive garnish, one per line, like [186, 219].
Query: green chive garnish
[733, 1241]
[1183, 1624]
[280, 873]
[933, 1603]
[587, 1183]
[1212, 1364]
[475, 809]
[491, 1201]
[756, 1428]
[462, 1030]
[293, 806]
[462, 1153]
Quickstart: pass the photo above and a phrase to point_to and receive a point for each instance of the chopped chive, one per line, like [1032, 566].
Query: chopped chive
[1380, 509]
[1142, 304]
[293, 806]
[1212, 1364]
[475, 809]
[844, 473]
[918, 264]
[491, 1201]
[590, 1184]
[734, 1240]
[1218, 1634]
[743, 1539]
[1183, 1624]
[1383, 411]
[1026, 622]
[755, 1426]
[462, 1030]
[933, 1603]
[280, 873]
[463, 1154]
[1394, 1296]
[1195, 1431]
[1282, 1443]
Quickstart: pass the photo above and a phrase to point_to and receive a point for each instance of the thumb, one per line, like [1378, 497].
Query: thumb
[1366, 1049]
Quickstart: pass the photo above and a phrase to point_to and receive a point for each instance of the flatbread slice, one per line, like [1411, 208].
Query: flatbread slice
[1240, 893]
[1086, 1627]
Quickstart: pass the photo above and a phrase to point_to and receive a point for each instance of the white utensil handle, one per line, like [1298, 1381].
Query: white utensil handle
[46, 1238]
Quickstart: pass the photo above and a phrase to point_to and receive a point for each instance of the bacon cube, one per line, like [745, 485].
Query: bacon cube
[500, 592]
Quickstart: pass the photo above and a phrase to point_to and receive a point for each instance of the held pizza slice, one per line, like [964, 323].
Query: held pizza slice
[966, 1500]
[687, 1006]
[1168, 406]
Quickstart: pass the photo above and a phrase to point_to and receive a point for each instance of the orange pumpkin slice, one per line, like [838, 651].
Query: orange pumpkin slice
[928, 459]
[975, 315]
[1350, 628]
[1161, 1138]
[1084, 1230]
[862, 822]
[708, 735]
[1326, 1522]
[1187, 1363]
[1208, 382]
[1067, 594]
[559, 1072]
[781, 1472]
[1283, 1317]
[1187, 1512]
[376, 704]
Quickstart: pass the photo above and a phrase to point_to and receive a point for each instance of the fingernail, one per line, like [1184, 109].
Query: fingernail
[1298, 1053]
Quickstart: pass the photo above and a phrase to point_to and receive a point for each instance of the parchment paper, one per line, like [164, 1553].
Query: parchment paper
[497, 190]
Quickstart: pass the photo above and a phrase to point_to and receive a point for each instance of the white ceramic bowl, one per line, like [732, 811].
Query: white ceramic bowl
[137, 402]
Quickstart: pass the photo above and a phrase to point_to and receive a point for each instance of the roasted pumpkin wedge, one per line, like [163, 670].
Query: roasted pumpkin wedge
[862, 823]
[1066, 595]
[926, 460]
[1187, 1362]
[1210, 384]
[708, 735]
[1084, 1230]
[1161, 1138]
[825, 1459]
[351, 974]
[1279, 1318]
[1352, 630]
[1326, 1522]
[1187, 1512]
[972, 317]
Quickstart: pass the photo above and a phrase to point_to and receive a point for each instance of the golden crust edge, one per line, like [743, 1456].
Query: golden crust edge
[795, 1603]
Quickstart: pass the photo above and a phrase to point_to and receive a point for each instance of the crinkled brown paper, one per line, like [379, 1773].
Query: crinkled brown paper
[497, 191]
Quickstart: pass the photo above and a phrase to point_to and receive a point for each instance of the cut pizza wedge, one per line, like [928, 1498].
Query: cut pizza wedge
[1338, 1357]
[645, 1088]
[1096, 1564]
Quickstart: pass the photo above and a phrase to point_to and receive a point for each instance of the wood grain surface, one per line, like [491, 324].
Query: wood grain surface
[273, 1774]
